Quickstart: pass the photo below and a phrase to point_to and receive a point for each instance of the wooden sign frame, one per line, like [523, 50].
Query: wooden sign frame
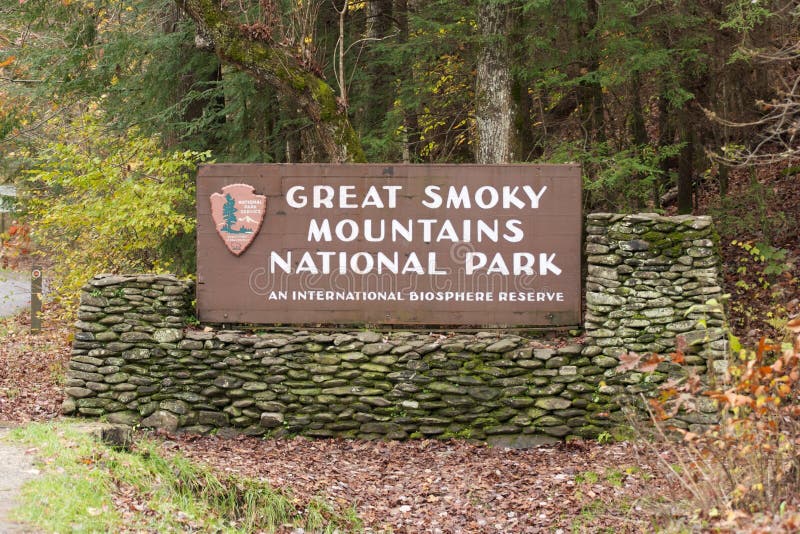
[462, 245]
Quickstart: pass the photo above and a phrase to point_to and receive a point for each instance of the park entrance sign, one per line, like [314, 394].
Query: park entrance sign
[473, 245]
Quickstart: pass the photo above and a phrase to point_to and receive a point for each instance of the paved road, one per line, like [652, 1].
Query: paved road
[16, 468]
[15, 292]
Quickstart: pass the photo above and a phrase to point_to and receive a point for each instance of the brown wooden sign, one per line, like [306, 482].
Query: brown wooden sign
[389, 244]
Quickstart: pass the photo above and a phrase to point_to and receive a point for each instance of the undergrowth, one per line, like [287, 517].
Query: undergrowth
[746, 469]
[87, 486]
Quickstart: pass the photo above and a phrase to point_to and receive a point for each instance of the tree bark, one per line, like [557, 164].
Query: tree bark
[590, 93]
[638, 128]
[495, 106]
[411, 143]
[330, 137]
[380, 98]
[686, 163]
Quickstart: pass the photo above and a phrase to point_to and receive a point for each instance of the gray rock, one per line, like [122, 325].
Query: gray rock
[634, 245]
[553, 403]
[135, 337]
[271, 419]
[227, 382]
[369, 337]
[604, 299]
[604, 259]
[78, 392]
[161, 419]
[504, 345]
[128, 418]
[374, 349]
[596, 248]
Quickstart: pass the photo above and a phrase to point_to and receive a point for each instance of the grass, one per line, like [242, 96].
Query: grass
[587, 477]
[87, 486]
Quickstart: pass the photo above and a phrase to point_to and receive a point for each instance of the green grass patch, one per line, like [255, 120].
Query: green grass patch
[87, 486]
[587, 477]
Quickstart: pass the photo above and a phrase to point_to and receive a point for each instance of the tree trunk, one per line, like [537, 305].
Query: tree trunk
[524, 145]
[330, 135]
[724, 172]
[666, 137]
[380, 98]
[638, 128]
[494, 109]
[411, 142]
[686, 163]
[590, 93]
[196, 107]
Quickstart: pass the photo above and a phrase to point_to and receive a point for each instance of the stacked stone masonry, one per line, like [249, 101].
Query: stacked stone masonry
[650, 278]
[652, 286]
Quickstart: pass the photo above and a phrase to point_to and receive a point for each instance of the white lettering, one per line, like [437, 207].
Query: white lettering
[323, 196]
[343, 196]
[346, 194]
[433, 193]
[533, 196]
[458, 199]
[510, 197]
[296, 202]
[432, 264]
[275, 260]
[485, 197]
[546, 264]
[474, 261]
[369, 234]
[405, 232]
[392, 190]
[389, 264]
[481, 201]
[412, 265]
[516, 234]
[342, 227]
[319, 233]
[492, 232]
[307, 265]
[498, 265]
[523, 263]
[372, 199]
[447, 232]
[369, 263]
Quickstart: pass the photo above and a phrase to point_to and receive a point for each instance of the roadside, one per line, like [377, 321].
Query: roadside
[16, 468]
[30, 368]
[15, 292]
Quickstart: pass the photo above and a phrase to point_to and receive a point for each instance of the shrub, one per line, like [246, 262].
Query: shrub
[105, 202]
[750, 462]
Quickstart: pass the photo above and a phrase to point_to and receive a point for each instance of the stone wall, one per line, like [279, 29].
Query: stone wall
[652, 286]
[649, 281]
[133, 362]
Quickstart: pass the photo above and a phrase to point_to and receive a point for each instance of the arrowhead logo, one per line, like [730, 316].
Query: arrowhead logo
[238, 213]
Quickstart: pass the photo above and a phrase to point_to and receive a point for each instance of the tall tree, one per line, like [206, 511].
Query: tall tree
[494, 108]
[330, 136]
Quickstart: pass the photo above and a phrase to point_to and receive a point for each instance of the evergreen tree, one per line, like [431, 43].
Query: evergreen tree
[229, 214]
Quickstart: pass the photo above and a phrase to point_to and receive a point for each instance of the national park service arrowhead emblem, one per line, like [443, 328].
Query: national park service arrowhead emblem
[238, 213]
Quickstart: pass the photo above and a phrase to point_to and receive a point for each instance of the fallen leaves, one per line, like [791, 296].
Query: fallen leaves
[446, 486]
[32, 370]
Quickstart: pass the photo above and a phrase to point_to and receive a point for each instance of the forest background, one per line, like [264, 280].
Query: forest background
[669, 105]
[108, 106]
